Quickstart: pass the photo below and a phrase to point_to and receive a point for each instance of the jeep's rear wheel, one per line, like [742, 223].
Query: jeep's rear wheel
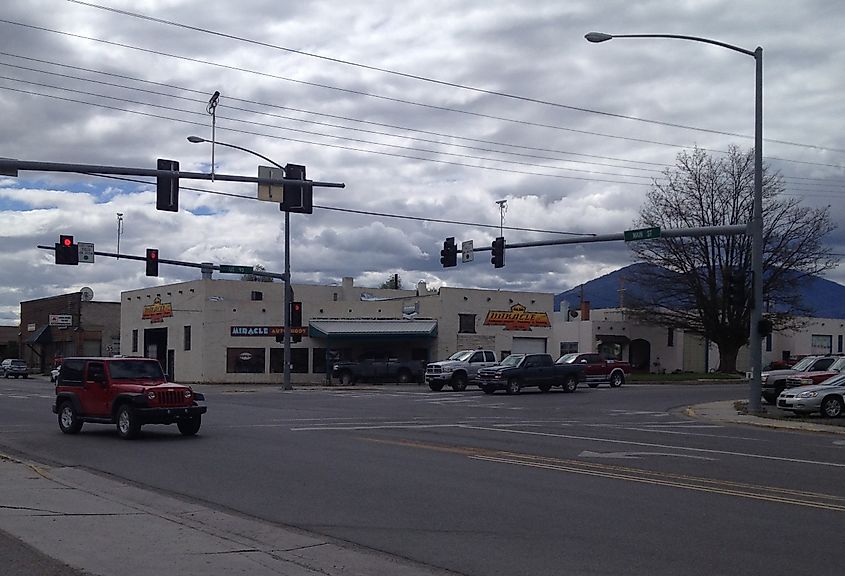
[69, 421]
[128, 425]
[190, 426]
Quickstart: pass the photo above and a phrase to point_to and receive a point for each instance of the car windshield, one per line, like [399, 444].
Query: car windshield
[18, 362]
[461, 355]
[803, 364]
[838, 365]
[133, 370]
[513, 360]
[567, 358]
[838, 380]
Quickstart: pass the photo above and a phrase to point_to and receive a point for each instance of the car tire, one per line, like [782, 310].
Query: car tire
[128, 425]
[346, 379]
[488, 389]
[513, 386]
[617, 379]
[459, 382]
[69, 421]
[593, 384]
[545, 387]
[832, 407]
[189, 426]
[435, 386]
[404, 377]
[570, 384]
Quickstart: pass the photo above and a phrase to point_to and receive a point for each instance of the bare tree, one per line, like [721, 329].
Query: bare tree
[394, 282]
[256, 278]
[688, 285]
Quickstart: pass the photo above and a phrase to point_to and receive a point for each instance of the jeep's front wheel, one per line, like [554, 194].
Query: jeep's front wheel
[189, 426]
[69, 421]
[128, 425]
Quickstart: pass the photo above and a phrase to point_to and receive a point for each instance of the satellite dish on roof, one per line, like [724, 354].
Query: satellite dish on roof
[87, 294]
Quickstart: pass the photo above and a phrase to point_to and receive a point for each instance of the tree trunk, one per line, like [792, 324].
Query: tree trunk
[727, 358]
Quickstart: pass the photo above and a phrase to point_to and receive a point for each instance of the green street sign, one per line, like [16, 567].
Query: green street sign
[642, 234]
[227, 269]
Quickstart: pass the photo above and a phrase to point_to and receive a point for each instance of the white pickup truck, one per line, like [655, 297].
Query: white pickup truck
[459, 369]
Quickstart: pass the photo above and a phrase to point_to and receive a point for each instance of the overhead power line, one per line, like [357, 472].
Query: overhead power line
[433, 80]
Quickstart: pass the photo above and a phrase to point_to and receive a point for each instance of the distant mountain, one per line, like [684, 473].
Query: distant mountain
[825, 298]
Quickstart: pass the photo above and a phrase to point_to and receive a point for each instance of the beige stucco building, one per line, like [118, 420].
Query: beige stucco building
[224, 331]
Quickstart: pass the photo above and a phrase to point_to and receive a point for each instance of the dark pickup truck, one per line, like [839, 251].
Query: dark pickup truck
[378, 367]
[519, 371]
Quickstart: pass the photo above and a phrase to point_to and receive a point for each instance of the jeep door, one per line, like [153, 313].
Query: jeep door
[96, 397]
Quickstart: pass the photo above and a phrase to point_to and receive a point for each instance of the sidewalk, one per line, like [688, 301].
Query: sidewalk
[726, 412]
[102, 526]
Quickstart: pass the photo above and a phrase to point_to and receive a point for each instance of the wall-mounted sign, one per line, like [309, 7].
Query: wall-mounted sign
[157, 312]
[267, 330]
[517, 318]
[61, 320]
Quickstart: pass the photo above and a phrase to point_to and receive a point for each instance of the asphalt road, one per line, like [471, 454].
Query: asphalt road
[602, 481]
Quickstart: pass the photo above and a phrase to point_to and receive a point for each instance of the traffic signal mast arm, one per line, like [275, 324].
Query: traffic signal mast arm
[206, 265]
[123, 171]
[664, 233]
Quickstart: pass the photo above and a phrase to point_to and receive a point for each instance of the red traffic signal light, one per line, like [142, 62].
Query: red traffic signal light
[152, 262]
[66, 251]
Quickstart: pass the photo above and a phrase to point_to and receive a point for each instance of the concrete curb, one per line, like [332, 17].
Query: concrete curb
[726, 412]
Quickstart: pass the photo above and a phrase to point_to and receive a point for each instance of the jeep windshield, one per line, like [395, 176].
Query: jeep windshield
[140, 370]
[461, 355]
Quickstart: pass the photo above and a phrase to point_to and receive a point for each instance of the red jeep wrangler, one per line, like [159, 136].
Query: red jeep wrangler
[128, 392]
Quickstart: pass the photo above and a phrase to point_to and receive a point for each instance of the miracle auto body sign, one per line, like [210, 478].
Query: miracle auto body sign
[517, 318]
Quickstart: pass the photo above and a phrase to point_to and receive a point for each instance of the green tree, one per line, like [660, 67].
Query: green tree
[688, 282]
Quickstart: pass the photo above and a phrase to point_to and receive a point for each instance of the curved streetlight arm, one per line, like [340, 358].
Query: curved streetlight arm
[602, 37]
[197, 140]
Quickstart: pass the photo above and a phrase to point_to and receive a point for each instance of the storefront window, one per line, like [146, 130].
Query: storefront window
[298, 360]
[466, 323]
[245, 360]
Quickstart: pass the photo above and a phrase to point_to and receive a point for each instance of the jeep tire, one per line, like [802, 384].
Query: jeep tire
[69, 421]
[128, 425]
[189, 426]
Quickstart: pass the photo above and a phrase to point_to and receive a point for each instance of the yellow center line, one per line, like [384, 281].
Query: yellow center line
[724, 487]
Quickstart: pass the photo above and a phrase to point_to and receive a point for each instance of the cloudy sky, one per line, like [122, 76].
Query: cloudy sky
[429, 111]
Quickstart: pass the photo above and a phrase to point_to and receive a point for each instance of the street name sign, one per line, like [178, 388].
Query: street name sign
[642, 234]
[227, 269]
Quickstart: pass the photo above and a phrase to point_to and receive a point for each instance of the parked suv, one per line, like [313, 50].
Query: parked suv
[774, 381]
[127, 392]
[14, 367]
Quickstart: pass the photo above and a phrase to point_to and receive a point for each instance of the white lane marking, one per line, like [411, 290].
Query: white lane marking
[650, 445]
[637, 455]
[377, 427]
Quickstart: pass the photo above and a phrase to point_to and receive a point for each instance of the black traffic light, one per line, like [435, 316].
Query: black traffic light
[66, 251]
[295, 319]
[449, 254]
[498, 259]
[167, 187]
[152, 262]
[297, 198]
[736, 288]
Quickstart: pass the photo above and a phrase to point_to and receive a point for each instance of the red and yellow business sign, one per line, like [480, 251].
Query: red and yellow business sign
[157, 312]
[517, 318]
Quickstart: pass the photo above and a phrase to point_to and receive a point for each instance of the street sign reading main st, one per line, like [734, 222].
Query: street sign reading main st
[227, 269]
[642, 234]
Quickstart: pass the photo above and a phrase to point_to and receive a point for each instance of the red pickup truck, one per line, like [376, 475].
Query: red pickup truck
[598, 369]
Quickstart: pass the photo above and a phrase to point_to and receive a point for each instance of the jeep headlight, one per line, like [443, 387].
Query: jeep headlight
[808, 394]
[151, 395]
[188, 394]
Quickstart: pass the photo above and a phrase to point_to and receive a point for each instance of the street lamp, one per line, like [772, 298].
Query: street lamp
[287, 298]
[756, 224]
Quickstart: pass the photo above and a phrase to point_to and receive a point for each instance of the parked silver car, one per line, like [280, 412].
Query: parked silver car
[828, 398]
[14, 368]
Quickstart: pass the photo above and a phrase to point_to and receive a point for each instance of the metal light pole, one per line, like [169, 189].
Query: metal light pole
[119, 230]
[756, 224]
[287, 299]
